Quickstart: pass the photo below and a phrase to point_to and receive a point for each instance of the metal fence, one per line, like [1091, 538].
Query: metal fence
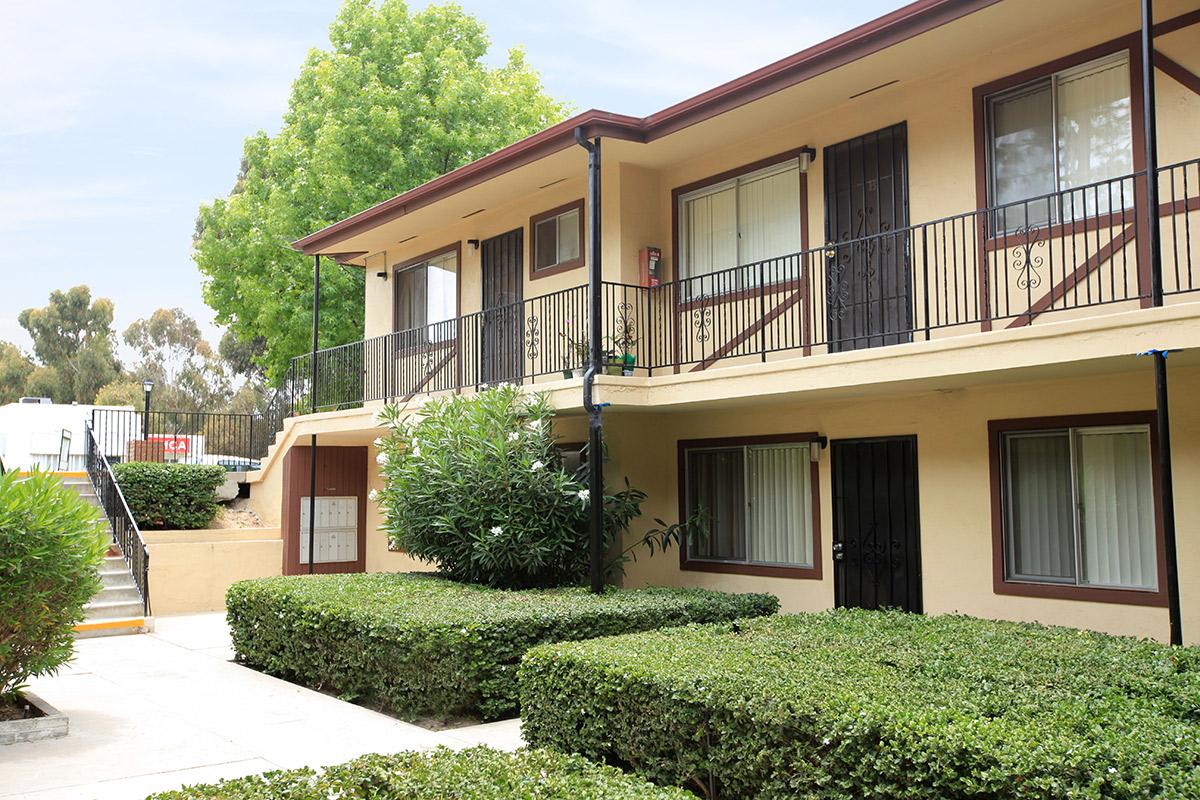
[185, 437]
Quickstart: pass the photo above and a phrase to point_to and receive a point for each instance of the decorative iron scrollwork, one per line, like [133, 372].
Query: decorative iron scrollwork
[1025, 262]
[624, 335]
[702, 320]
[533, 332]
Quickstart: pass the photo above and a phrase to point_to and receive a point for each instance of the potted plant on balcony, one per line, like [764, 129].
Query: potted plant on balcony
[577, 353]
[620, 359]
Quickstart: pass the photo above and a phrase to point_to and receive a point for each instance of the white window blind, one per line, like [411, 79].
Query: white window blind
[1080, 507]
[757, 501]
[1116, 502]
[741, 221]
[780, 505]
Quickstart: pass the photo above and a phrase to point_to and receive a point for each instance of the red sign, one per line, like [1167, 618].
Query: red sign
[177, 445]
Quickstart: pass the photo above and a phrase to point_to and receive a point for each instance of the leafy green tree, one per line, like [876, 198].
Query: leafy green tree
[399, 98]
[188, 375]
[121, 392]
[15, 369]
[73, 339]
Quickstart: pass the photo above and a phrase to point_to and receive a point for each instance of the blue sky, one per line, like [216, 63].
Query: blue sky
[120, 117]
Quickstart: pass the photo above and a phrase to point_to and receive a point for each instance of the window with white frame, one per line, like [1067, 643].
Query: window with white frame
[1055, 145]
[744, 220]
[1079, 507]
[427, 297]
[756, 501]
[558, 238]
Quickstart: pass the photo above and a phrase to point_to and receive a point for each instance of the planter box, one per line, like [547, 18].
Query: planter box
[52, 724]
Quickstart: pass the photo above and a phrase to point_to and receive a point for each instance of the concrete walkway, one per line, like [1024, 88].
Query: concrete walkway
[157, 711]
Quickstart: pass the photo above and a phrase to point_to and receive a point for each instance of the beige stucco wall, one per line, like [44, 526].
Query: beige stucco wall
[954, 487]
[191, 570]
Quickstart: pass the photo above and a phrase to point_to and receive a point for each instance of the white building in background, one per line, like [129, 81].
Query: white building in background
[32, 433]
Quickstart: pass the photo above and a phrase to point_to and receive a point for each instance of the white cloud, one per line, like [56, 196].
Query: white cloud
[62, 59]
[43, 205]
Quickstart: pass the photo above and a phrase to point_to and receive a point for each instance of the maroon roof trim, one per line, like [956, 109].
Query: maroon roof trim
[903, 23]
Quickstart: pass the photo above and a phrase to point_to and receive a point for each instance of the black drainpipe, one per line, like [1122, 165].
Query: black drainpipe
[312, 450]
[595, 333]
[1154, 253]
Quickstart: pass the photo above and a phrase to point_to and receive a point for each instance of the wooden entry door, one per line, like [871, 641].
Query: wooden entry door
[876, 534]
[867, 270]
[501, 265]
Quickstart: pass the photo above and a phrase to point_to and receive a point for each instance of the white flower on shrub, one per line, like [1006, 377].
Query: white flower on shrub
[381, 459]
[378, 442]
[373, 495]
[535, 466]
[512, 437]
[497, 530]
[584, 495]
[535, 425]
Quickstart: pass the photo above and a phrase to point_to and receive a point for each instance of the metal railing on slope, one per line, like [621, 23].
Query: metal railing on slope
[124, 527]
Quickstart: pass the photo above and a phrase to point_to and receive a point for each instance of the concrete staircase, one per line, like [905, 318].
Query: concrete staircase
[117, 608]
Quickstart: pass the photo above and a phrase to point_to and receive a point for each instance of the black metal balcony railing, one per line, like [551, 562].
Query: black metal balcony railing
[1004, 266]
[124, 527]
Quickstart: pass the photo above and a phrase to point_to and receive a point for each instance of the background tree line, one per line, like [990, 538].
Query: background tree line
[74, 359]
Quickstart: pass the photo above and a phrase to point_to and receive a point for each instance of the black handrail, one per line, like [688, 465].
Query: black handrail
[124, 527]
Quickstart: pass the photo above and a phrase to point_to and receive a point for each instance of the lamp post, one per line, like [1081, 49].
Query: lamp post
[147, 388]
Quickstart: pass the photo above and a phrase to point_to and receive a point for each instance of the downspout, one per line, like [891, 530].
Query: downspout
[595, 333]
[312, 397]
[1154, 253]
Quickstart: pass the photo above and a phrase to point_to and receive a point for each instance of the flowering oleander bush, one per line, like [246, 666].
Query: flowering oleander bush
[475, 485]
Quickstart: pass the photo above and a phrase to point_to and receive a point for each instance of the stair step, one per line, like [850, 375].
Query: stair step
[95, 610]
[127, 593]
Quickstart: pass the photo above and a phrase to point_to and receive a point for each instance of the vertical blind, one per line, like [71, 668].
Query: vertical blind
[757, 501]
[780, 505]
[716, 485]
[1041, 508]
[1081, 507]
[745, 220]
[1117, 509]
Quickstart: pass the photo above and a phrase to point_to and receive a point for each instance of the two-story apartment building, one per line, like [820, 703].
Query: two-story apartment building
[883, 304]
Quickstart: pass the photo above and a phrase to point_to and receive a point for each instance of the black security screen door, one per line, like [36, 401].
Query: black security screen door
[876, 538]
[503, 279]
[868, 279]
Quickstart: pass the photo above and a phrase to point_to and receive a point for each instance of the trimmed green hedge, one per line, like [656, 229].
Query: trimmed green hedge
[851, 704]
[479, 773]
[170, 496]
[426, 646]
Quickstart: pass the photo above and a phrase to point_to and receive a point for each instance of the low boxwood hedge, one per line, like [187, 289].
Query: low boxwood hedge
[475, 774]
[425, 646]
[852, 704]
[170, 496]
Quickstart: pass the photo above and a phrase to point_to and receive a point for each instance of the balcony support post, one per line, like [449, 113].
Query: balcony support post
[595, 450]
[312, 402]
[1154, 253]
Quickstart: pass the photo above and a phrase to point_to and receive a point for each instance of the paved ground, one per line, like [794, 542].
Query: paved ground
[160, 710]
